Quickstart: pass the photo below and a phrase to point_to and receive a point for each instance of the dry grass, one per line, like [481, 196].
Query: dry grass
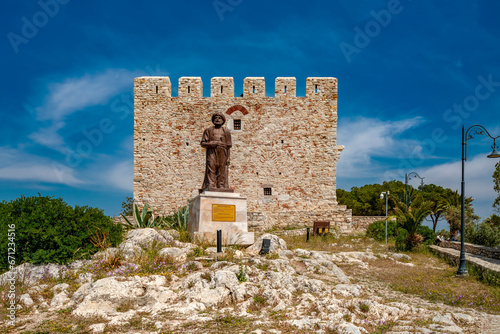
[432, 279]
[333, 243]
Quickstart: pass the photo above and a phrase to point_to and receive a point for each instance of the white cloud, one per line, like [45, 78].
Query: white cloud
[74, 94]
[478, 180]
[49, 137]
[120, 176]
[16, 165]
[365, 138]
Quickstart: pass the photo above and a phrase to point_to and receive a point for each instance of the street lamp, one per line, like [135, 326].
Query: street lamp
[408, 177]
[386, 193]
[472, 131]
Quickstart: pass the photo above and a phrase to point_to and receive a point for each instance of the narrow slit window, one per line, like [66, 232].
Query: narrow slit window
[316, 89]
[156, 89]
[237, 124]
[189, 89]
[221, 89]
[254, 89]
[285, 89]
[268, 191]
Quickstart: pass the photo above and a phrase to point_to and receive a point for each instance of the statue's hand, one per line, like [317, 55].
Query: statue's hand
[211, 143]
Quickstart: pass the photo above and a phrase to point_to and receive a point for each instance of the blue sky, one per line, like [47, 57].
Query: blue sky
[411, 73]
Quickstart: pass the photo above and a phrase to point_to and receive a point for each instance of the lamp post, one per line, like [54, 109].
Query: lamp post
[408, 177]
[472, 131]
[386, 194]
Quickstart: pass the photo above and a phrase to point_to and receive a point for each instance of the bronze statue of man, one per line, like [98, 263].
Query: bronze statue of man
[217, 141]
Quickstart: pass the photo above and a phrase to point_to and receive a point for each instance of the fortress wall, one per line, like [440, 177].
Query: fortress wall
[286, 143]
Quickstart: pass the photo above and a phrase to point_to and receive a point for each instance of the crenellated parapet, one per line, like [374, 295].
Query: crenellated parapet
[222, 87]
[153, 88]
[190, 87]
[254, 86]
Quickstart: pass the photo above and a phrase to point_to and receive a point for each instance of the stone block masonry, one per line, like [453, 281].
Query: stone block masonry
[284, 152]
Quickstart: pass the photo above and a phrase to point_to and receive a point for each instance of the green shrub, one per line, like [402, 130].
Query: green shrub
[485, 234]
[401, 237]
[48, 230]
[242, 274]
[427, 233]
[376, 230]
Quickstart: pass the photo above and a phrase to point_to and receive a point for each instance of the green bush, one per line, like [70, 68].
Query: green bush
[427, 233]
[400, 243]
[48, 230]
[485, 234]
[376, 230]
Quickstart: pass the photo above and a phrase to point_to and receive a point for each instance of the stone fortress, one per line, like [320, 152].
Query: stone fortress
[284, 152]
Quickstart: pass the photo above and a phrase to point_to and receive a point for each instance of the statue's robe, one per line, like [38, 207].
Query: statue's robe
[217, 158]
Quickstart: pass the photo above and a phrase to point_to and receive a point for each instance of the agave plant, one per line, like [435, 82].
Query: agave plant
[179, 220]
[143, 219]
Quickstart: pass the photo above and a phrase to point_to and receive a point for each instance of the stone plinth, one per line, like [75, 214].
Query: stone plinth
[211, 211]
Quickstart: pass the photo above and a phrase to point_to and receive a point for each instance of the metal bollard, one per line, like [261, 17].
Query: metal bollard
[307, 238]
[219, 241]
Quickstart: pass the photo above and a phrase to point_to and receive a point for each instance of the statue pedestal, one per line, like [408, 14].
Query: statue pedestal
[212, 210]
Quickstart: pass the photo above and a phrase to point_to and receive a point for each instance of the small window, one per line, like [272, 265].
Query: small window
[156, 89]
[268, 191]
[316, 89]
[237, 124]
[284, 90]
[222, 89]
[189, 89]
[254, 89]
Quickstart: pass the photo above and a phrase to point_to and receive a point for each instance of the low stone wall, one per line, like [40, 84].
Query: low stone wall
[493, 253]
[360, 223]
[261, 221]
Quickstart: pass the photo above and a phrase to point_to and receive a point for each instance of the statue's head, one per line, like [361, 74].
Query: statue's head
[217, 121]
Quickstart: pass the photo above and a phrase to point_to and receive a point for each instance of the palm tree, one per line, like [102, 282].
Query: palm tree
[410, 218]
[453, 212]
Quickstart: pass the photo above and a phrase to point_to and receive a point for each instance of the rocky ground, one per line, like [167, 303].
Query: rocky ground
[194, 290]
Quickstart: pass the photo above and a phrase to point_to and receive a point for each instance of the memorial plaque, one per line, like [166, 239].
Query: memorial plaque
[223, 213]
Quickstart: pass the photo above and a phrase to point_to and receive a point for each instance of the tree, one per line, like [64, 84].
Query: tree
[493, 221]
[128, 206]
[453, 213]
[365, 200]
[410, 218]
[438, 196]
[496, 186]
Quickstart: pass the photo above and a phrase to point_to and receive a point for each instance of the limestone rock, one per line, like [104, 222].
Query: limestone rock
[97, 328]
[59, 301]
[139, 238]
[349, 328]
[177, 254]
[60, 287]
[276, 244]
[31, 274]
[446, 319]
[26, 300]
[104, 296]
[400, 256]
[347, 290]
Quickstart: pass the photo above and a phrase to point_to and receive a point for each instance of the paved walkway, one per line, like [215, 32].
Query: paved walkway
[483, 261]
